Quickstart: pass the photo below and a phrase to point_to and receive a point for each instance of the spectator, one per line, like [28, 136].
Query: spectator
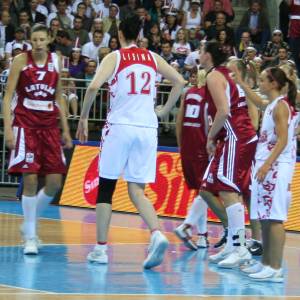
[258, 64]
[209, 5]
[63, 43]
[145, 21]
[111, 23]
[81, 11]
[210, 17]
[213, 31]
[78, 32]
[77, 63]
[271, 49]
[143, 43]
[19, 39]
[34, 15]
[91, 49]
[181, 48]
[154, 38]
[6, 28]
[54, 27]
[89, 11]
[192, 61]
[171, 26]
[250, 53]
[193, 39]
[244, 43]
[43, 8]
[192, 18]
[102, 9]
[65, 18]
[155, 12]
[223, 40]
[24, 23]
[282, 57]
[90, 71]
[98, 25]
[114, 43]
[128, 9]
[255, 21]
[166, 52]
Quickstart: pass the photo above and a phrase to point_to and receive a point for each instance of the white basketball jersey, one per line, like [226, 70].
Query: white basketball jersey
[132, 88]
[268, 137]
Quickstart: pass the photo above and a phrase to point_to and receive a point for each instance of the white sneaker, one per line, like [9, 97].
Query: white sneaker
[157, 249]
[202, 241]
[98, 255]
[23, 235]
[184, 232]
[268, 274]
[252, 268]
[236, 258]
[30, 247]
[226, 251]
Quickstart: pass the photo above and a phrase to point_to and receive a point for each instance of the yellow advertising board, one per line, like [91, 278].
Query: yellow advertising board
[169, 194]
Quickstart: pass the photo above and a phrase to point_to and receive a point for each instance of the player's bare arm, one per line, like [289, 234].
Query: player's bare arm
[179, 120]
[67, 140]
[104, 72]
[18, 63]
[176, 80]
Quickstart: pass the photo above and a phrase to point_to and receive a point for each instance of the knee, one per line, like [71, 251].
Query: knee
[53, 186]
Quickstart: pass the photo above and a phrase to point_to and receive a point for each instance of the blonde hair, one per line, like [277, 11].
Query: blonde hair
[201, 78]
[290, 72]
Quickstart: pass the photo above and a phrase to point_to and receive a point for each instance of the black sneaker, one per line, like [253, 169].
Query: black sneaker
[223, 240]
[256, 248]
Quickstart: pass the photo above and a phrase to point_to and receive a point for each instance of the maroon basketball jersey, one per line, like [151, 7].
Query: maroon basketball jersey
[294, 26]
[238, 123]
[194, 123]
[35, 94]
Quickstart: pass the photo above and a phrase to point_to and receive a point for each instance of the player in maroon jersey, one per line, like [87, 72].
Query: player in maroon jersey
[232, 142]
[191, 131]
[32, 133]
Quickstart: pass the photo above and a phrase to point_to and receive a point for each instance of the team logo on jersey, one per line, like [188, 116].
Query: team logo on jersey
[210, 178]
[29, 158]
[50, 67]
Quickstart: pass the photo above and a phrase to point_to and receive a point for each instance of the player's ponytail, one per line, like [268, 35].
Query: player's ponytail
[292, 92]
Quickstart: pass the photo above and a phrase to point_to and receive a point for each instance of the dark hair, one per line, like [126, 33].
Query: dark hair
[118, 42]
[39, 27]
[98, 31]
[217, 52]
[130, 27]
[278, 75]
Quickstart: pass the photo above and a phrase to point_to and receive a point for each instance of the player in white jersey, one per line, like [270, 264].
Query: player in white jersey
[129, 138]
[274, 167]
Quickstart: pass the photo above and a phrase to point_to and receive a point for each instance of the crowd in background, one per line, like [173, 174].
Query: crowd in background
[84, 31]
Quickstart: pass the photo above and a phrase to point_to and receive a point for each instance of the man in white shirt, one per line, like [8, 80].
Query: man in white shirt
[90, 50]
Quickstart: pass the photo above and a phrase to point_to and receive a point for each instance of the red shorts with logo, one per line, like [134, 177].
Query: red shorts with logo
[230, 168]
[37, 151]
[193, 168]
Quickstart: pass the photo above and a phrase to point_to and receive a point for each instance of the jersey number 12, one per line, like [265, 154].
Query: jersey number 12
[145, 77]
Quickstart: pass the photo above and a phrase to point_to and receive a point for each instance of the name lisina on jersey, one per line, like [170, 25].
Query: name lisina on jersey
[136, 57]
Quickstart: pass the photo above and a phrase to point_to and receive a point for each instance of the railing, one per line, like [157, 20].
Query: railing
[97, 115]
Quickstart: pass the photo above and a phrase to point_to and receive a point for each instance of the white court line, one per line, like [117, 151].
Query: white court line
[35, 291]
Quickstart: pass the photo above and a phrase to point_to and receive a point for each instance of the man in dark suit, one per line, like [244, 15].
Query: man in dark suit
[255, 20]
[7, 30]
[35, 16]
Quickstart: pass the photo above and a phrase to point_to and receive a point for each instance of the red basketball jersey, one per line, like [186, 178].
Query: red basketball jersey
[238, 123]
[195, 122]
[35, 94]
[294, 26]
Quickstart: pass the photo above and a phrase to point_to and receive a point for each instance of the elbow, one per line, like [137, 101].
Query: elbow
[181, 82]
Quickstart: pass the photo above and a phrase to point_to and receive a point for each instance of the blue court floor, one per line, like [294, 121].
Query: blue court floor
[68, 234]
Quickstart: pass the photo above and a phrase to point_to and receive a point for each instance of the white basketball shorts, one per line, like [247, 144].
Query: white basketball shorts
[270, 200]
[129, 151]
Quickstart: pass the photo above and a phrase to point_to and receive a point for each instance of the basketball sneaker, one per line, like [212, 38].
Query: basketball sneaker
[31, 246]
[23, 235]
[156, 251]
[223, 239]
[202, 241]
[252, 268]
[255, 247]
[215, 258]
[268, 274]
[239, 256]
[184, 232]
[98, 255]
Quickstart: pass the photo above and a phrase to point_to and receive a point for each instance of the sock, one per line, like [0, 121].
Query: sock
[236, 223]
[194, 212]
[202, 222]
[29, 204]
[43, 201]
[101, 243]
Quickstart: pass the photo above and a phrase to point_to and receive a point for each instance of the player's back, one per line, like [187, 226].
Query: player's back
[132, 88]
[35, 94]
[195, 122]
[238, 124]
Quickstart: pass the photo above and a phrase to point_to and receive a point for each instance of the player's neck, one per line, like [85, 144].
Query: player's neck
[40, 58]
[273, 94]
[125, 44]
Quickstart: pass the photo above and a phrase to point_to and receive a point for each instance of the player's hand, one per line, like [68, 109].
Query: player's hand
[159, 111]
[82, 130]
[10, 139]
[211, 147]
[67, 140]
[262, 172]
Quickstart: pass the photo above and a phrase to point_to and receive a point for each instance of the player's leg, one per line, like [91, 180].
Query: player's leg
[29, 205]
[202, 241]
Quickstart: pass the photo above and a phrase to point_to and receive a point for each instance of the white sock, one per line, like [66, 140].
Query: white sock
[236, 221]
[194, 212]
[202, 222]
[43, 201]
[29, 205]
